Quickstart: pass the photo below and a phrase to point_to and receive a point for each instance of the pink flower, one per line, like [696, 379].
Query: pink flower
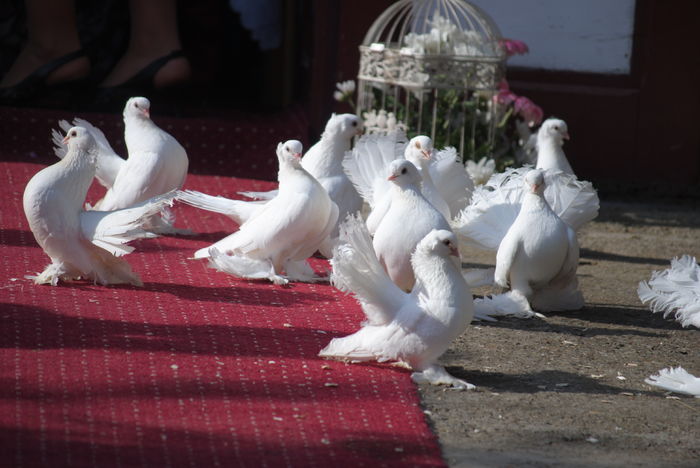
[514, 47]
[505, 96]
[530, 112]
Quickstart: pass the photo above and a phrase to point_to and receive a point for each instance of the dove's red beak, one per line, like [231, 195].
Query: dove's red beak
[454, 251]
[427, 153]
[147, 113]
[566, 136]
[297, 155]
[535, 188]
[392, 177]
[65, 139]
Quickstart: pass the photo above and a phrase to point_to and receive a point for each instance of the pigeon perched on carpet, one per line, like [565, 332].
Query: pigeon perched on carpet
[285, 232]
[324, 161]
[675, 291]
[550, 142]
[413, 328]
[82, 244]
[409, 218]
[537, 259]
[157, 163]
[676, 380]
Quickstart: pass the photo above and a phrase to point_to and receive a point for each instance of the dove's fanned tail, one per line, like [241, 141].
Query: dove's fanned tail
[366, 164]
[112, 230]
[239, 265]
[496, 204]
[109, 163]
[452, 181]
[358, 346]
[239, 211]
[269, 195]
[356, 269]
[675, 291]
[676, 380]
[498, 305]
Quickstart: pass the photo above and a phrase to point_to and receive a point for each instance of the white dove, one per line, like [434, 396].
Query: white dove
[409, 218]
[324, 161]
[495, 205]
[284, 232]
[537, 258]
[157, 163]
[550, 142]
[675, 291]
[412, 328]
[445, 183]
[676, 380]
[82, 244]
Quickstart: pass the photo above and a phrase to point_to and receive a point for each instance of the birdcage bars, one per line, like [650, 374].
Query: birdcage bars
[436, 64]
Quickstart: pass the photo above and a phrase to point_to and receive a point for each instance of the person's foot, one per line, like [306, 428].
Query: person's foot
[174, 71]
[31, 58]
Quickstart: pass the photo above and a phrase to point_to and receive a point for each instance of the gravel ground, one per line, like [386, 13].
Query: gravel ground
[569, 390]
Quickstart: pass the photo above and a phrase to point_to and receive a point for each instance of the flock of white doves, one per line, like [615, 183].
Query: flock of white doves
[390, 214]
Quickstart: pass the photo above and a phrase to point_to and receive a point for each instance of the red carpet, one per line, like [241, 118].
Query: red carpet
[195, 369]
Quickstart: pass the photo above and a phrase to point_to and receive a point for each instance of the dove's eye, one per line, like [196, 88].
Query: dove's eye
[418, 144]
[136, 105]
[354, 123]
[73, 133]
[286, 148]
[403, 171]
[446, 242]
[556, 127]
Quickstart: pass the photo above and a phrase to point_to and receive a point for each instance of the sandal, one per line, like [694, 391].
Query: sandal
[35, 84]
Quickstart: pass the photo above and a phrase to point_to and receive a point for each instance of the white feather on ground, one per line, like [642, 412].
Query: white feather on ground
[675, 291]
[676, 380]
[413, 328]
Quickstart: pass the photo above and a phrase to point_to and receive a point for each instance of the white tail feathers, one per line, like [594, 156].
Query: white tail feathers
[676, 380]
[366, 164]
[357, 270]
[260, 195]
[498, 305]
[239, 211]
[451, 180]
[675, 291]
[111, 230]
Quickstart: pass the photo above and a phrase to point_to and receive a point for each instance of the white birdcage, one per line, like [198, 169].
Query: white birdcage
[436, 65]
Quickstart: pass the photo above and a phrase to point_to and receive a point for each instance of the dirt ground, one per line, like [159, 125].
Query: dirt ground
[569, 390]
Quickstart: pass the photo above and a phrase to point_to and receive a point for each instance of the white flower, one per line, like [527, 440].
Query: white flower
[482, 171]
[345, 90]
[445, 37]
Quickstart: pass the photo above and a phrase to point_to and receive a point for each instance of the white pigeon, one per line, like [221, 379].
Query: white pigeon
[495, 205]
[676, 380]
[538, 257]
[82, 244]
[412, 328]
[324, 161]
[675, 291]
[550, 142]
[284, 232]
[445, 183]
[409, 219]
[157, 163]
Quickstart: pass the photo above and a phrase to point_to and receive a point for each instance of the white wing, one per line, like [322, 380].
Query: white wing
[357, 270]
[366, 164]
[451, 180]
[675, 291]
[111, 230]
[239, 211]
[676, 380]
[109, 163]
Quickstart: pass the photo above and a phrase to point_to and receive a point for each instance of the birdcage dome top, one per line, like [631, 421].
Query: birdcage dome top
[436, 27]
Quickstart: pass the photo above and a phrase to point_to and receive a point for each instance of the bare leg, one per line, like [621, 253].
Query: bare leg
[51, 33]
[154, 34]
